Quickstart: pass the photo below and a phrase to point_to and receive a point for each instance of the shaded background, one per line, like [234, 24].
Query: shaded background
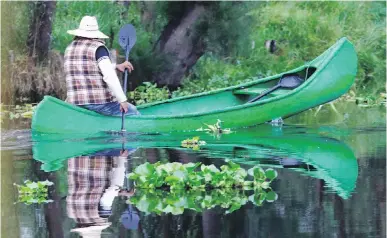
[190, 47]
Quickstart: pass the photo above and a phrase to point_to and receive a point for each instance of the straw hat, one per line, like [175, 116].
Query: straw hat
[88, 28]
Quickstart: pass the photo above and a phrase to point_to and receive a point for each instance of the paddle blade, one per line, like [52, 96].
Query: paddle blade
[290, 81]
[130, 219]
[127, 37]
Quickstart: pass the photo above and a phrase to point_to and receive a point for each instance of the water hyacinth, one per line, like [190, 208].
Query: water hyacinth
[176, 202]
[34, 192]
[199, 176]
[193, 143]
[174, 187]
[215, 129]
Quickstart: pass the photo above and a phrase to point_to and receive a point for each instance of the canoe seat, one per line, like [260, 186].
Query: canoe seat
[256, 91]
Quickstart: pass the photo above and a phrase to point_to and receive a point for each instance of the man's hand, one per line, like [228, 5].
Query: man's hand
[124, 106]
[124, 153]
[125, 65]
[127, 193]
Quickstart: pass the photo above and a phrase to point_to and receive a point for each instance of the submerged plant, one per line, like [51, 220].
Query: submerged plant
[34, 192]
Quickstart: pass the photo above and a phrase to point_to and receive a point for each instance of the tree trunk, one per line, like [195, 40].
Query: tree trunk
[39, 37]
[180, 44]
[122, 21]
[52, 211]
[148, 14]
[211, 223]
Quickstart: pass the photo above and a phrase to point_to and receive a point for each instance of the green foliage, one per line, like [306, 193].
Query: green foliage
[302, 30]
[262, 178]
[69, 14]
[224, 27]
[215, 129]
[197, 187]
[371, 100]
[234, 35]
[17, 111]
[210, 73]
[148, 93]
[34, 192]
[196, 176]
[158, 201]
[14, 36]
[193, 143]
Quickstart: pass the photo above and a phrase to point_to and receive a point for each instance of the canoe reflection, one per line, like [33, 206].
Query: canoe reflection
[309, 154]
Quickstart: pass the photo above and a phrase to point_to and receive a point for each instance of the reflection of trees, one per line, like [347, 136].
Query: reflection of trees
[53, 211]
[211, 223]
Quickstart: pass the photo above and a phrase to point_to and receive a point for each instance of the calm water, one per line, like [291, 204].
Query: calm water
[331, 180]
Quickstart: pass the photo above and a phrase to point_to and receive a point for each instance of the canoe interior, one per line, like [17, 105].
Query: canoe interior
[221, 100]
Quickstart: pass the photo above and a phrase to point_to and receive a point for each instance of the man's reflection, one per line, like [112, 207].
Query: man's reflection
[93, 183]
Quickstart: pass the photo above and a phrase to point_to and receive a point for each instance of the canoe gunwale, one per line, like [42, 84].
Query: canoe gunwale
[323, 63]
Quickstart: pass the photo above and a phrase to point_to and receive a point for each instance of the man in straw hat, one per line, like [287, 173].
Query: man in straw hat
[91, 80]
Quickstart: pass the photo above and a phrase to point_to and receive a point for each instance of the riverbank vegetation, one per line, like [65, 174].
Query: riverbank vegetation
[222, 43]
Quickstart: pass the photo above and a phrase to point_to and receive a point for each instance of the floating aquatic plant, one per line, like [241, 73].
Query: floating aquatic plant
[34, 192]
[159, 201]
[193, 143]
[173, 187]
[18, 111]
[215, 129]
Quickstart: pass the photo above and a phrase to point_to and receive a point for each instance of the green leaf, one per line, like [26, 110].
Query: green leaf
[234, 207]
[271, 174]
[271, 196]
[144, 169]
[32, 185]
[233, 165]
[265, 185]
[212, 168]
[180, 176]
[257, 172]
[132, 176]
[190, 167]
[171, 179]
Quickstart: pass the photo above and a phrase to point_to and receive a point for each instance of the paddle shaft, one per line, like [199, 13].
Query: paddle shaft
[265, 93]
[125, 79]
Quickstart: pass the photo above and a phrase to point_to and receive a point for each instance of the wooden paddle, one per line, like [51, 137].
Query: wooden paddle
[126, 39]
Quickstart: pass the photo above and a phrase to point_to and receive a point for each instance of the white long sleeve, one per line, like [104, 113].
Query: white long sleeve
[117, 178]
[111, 79]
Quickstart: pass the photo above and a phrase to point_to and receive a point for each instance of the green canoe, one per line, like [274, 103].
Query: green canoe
[327, 77]
[328, 159]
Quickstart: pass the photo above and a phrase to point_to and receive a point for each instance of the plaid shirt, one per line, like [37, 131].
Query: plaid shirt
[84, 79]
[88, 177]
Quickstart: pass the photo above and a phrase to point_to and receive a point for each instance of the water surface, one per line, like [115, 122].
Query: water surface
[331, 179]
